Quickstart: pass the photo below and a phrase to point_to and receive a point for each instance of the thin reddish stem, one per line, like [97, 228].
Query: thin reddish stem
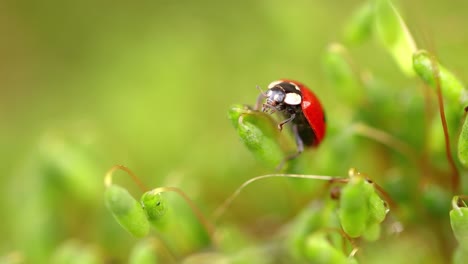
[108, 177]
[440, 100]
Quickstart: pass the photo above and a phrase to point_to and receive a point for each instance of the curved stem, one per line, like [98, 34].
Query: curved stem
[209, 228]
[222, 209]
[448, 151]
[108, 177]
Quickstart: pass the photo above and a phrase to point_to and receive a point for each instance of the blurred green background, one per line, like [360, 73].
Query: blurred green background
[147, 84]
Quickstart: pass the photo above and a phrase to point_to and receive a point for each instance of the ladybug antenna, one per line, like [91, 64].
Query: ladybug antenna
[260, 98]
[261, 91]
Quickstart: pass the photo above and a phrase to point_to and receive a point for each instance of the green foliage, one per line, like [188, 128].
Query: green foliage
[459, 223]
[341, 74]
[463, 144]
[426, 66]
[145, 85]
[361, 209]
[359, 27]
[258, 132]
[394, 35]
[319, 250]
[354, 211]
[312, 219]
[155, 206]
[126, 210]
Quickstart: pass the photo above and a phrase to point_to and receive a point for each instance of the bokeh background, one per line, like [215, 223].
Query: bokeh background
[148, 84]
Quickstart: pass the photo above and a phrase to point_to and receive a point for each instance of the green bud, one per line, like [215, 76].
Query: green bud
[67, 163]
[307, 222]
[359, 27]
[126, 210]
[236, 111]
[340, 73]
[354, 208]
[394, 35]
[154, 205]
[174, 222]
[463, 144]
[372, 233]
[460, 256]
[452, 89]
[377, 208]
[318, 250]
[459, 223]
[260, 134]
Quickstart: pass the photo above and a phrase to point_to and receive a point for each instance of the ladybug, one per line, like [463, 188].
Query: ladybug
[301, 108]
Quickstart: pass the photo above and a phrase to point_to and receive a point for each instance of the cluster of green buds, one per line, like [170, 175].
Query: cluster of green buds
[180, 232]
[361, 208]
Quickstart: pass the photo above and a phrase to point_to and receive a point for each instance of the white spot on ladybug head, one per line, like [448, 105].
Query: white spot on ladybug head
[273, 84]
[295, 86]
[293, 99]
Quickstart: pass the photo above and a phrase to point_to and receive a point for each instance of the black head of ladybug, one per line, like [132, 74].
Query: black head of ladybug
[282, 95]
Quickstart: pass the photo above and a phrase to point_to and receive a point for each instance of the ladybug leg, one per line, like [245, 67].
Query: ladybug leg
[268, 109]
[300, 148]
[280, 125]
[299, 142]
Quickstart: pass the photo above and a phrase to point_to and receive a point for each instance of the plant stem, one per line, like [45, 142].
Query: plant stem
[109, 174]
[222, 209]
[455, 173]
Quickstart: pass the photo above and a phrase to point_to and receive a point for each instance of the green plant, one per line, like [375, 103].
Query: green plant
[334, 230]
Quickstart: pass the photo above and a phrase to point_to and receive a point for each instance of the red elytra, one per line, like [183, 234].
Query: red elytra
[313, 111]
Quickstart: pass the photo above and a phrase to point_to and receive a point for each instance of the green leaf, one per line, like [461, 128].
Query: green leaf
[319, 250]
[260, 134]
[311, 219]
[460, 256]
[426, 67]
[459, 223]
[372, 233]
[394, 35]
[377, 208]
[68, 163]
[340, 72]
[463, 144]
[127, 211]
[359, 27]
[354, 209]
